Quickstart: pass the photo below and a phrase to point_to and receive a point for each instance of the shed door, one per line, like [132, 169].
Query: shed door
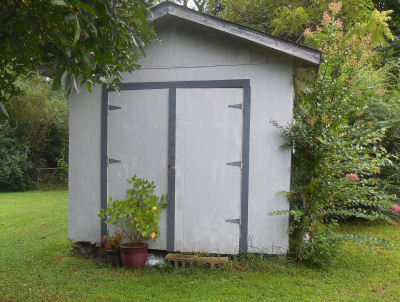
[138, 144]
[208, 172]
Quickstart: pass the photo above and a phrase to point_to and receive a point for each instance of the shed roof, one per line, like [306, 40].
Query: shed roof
[304, 53]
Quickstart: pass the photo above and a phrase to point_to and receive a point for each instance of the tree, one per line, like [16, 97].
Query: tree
[289, 19]
[394, 7]
[339, 154]
[36, 136]
[40, 119]
[80, 42]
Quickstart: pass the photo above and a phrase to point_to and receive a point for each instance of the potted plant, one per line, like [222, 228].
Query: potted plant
[137, 218]
[111, 245]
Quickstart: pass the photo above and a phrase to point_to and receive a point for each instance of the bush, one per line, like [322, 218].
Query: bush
[339, 151]
[322, 251]
[387, 112]
[14, 161]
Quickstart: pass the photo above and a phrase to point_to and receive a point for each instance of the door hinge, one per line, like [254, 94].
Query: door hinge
[113, 161]
[112, 107]
[235, 164]
[236, 106]
[236, 221]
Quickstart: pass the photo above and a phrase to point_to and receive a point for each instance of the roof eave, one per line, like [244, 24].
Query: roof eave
[303, 53]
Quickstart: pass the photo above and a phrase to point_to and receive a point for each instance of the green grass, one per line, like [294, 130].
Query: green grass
[35, 265]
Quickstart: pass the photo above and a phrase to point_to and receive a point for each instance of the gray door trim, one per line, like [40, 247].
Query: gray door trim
[172, 86]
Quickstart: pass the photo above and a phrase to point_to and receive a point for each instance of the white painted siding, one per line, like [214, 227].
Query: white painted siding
[193, 53]
[84, 166]
[207, 190]
[138, 137]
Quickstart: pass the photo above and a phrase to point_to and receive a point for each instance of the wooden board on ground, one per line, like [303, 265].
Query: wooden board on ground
[190, 259]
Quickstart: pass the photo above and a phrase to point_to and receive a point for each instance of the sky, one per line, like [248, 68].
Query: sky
[191, 4]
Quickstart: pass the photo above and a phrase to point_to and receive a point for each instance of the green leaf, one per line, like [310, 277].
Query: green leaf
[75, 84]
[77, 30]
[84, 6]
[59, 2]
[62, 38]
[3, 109]
[89, 59]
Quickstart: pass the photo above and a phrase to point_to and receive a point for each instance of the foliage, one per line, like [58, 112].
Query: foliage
[320, 250]
[289, 19]
[40, 119]
[387, 113]
[39, 127]
[61, 161]
[62, 164]
[80, 42]
[138, 214]
[394, 22]
[338, 155]
[112, 242]
[14, 162]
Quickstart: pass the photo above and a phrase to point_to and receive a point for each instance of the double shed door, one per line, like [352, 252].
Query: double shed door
[189, 142]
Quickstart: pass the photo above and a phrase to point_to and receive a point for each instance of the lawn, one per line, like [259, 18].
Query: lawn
[36, 265]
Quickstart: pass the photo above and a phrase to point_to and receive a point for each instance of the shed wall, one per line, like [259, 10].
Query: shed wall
[84, 166]
[192, 53]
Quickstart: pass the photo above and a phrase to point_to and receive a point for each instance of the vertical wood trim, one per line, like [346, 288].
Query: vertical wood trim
[244, 225]
[171, 169]
[104, 156]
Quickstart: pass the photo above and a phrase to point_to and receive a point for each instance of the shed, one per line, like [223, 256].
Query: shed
[195, 119]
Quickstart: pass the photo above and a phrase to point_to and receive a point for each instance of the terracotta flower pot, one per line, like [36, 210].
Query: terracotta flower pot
[113, 257]
[134, 256]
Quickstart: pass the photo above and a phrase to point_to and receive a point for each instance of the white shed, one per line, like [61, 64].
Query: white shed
[196, 120]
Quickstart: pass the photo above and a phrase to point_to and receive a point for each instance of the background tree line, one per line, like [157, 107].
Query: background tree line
[35, 136]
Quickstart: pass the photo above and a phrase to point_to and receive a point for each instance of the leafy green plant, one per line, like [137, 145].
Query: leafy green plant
[137, 216]
[40, 119]
[338, 150]
[62, 164]
[38, 125]
[322, 250]
[288, 19]
[14, 162]
[77, 42]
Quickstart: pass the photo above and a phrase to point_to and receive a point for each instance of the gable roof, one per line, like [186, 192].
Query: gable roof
[304, 53]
